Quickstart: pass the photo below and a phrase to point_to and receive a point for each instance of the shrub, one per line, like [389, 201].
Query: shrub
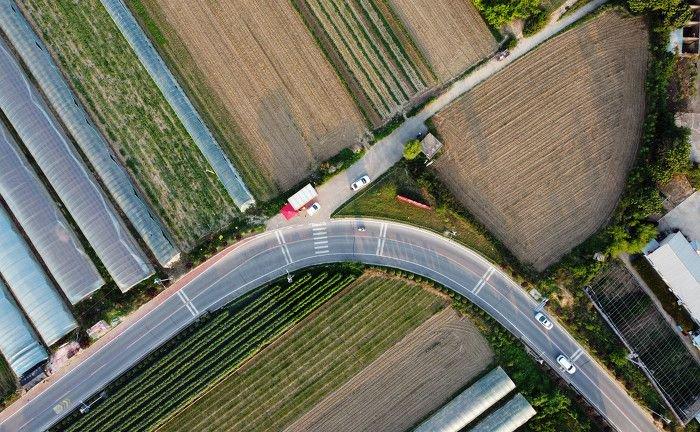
[536, 22]
[411, 149]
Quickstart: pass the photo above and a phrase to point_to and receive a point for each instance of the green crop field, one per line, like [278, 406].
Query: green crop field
[316, 358]
[207, 351]
[134, 116]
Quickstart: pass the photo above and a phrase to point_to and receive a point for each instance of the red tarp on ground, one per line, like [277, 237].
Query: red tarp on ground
[415, 203]
[288, 211]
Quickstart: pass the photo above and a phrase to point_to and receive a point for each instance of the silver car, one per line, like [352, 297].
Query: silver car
[542, 319]
[360, 183]
[566, 364]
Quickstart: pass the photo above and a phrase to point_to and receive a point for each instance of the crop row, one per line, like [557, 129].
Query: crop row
[200, 357]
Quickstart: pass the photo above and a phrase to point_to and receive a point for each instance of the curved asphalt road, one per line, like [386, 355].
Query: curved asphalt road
[270, 255]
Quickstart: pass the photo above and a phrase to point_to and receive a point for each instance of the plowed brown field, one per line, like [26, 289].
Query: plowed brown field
[267, 75]
[408, 382]
[539, 153]
[450, 33]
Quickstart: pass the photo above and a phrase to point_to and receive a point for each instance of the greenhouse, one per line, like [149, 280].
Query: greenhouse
[43, 223]
[470, 404]
[508, 418]
[60, 162]
[30, 285]
[18, 343]
[87, 137]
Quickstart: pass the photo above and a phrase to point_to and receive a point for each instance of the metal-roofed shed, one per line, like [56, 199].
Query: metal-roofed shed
[62, 165]
[30, 285]
[469, 404]
[515, 413]
[18, 343]
[87, 137]
[302, 197]
[43, 223]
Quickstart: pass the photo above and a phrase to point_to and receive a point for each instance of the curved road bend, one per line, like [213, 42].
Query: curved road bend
[273, 253]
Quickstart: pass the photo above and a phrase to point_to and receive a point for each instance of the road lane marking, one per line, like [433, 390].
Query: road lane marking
[382, 239]
[187, 304]
[283, 245]
[484, 279]
[575, 356]
[184, 294]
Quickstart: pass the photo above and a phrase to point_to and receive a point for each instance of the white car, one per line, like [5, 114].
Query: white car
[566, 364]
[360, 183]
[313, 209]
[542, 319]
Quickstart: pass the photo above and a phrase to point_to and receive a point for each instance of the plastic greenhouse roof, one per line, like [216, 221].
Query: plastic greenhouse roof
[87, 137]
[60, 162]
[43, 223]
[178, 100]
[18, 343]
[30, 285]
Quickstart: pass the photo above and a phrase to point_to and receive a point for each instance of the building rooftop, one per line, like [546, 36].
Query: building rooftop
[430, 145]
[678, 263]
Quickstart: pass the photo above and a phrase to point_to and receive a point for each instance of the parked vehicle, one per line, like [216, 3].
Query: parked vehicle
[360, 183]
[502, 54]
[313, 209]
[566, 364]
[542, 319]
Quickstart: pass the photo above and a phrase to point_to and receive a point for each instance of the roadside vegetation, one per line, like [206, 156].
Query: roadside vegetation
[133, 115]
[314, 359]
[8, 383]
[206, 351]
[446, 217]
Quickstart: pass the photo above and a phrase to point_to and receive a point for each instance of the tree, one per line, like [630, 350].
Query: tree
[411, 149]
[671, 14]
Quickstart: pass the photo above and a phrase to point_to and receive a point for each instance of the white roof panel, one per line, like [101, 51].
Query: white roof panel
[678, 264]
[303, 196]
[508, 418]
[43, 223]
[62, 165]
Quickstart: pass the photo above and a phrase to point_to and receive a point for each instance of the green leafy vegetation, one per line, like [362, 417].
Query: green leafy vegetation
[536, 22]
[411, 149]
[313, 360]
[207, 350]
[498, 13]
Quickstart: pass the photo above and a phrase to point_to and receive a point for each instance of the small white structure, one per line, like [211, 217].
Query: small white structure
[678, 263]
[430, 145]
[305, 196]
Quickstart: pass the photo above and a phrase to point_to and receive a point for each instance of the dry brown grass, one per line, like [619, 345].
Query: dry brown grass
[269, 78]
[450, 33]
[540, 152]
[408, 382]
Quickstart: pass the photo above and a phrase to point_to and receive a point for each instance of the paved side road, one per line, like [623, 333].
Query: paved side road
[273, 253]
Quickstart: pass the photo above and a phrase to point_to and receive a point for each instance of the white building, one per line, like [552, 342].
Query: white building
[678, 263]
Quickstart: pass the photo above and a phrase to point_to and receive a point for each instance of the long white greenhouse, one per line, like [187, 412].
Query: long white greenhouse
[60, 162]
[470, 404]
[18, 343]
[43, 223]
[180, 103]
[30, 285]
[508, 418]
[87, 137]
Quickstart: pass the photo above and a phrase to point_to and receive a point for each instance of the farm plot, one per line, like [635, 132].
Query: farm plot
[361, 39]
[206, 351]
[259, 78]
[415, 377]
[315, 358]
[134, 117]
[539, 153]
[450, 33]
